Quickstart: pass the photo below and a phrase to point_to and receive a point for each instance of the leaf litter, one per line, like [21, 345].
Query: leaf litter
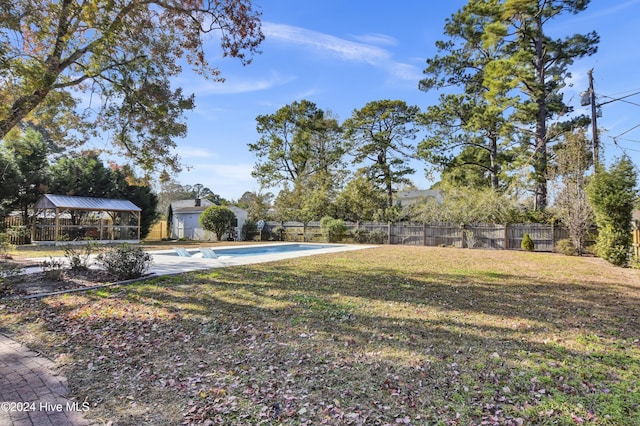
[394, 335]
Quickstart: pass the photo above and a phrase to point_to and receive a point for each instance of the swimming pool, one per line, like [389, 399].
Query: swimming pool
[259, 250]
[249, 250]
[169, 262]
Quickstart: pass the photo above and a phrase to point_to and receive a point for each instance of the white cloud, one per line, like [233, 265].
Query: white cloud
[616, 8]
[234, 85]
[225, 173]
[359, 52]
[406, 72]
[376, 38]
[347, 50]
[187, 152]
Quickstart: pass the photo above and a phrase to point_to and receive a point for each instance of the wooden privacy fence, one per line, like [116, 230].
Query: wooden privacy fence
[486, 236]
[158, 231]
[17, 233]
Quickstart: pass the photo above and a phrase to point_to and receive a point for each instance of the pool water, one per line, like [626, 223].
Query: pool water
[253, 250]
[258, 250]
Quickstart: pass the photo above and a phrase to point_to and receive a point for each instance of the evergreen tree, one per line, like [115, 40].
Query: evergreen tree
[469, 137]
[612, 194]
[538, 66]
[30, 156]
[379, 134]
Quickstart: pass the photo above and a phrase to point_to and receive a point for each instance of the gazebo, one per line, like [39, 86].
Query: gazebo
[70, 218]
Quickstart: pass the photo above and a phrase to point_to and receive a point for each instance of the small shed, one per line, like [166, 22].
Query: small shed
[184, 219]
[71, 218]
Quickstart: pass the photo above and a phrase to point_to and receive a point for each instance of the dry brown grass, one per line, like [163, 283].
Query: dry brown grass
[380, 336]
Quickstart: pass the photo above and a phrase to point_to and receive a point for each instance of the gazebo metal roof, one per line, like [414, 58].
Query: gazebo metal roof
[51, 201]
[63, 204]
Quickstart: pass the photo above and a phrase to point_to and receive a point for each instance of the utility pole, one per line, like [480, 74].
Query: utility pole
[594, 125]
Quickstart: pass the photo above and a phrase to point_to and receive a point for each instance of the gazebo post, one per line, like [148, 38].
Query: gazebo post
[33, 225]
[57, 228]
[138, 225]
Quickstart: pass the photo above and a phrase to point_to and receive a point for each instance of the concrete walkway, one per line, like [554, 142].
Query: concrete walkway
[30, 392]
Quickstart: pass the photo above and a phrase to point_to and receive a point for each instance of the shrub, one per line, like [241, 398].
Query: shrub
[53, 269]
[217, 219]
[377, 236]
[249, 230]
[470, 238]
[278, 233]
[125, 261]
[565, 247]
[613, 245]
[79, 255]
[527, 243]
[360, 235]
[612, 193]
[334, 228]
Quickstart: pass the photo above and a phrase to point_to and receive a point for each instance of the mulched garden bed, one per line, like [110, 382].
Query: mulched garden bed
[29, 282]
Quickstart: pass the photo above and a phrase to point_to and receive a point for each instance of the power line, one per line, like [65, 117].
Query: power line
[612, 99]
[629, 140]
[626, 91]
[627, 131]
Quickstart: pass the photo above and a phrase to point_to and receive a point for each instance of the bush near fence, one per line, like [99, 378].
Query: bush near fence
[486, 236]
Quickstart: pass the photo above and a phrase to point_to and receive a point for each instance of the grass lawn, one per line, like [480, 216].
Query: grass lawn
[390, 335]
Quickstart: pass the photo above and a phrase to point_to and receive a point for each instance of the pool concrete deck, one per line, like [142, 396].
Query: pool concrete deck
[167, 262]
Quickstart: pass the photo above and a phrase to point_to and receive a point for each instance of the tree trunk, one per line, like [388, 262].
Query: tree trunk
[20, 109]
[540, 150]
[493, 158]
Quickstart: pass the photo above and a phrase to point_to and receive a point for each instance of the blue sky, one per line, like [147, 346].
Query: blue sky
[342, 54]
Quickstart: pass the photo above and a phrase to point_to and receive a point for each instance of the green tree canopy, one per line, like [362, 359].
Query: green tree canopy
[306, 201]
[572, 160]
[467, 134]
[536, 64]
[379, 134]
[217, 219]
[360, 200]
[507, 74]
[296, 142]
[123, 52]
[612, 194]
[87, 176]
[9, 181]
[30, 156]
[82, 175]
[468, 206]
[257, 204]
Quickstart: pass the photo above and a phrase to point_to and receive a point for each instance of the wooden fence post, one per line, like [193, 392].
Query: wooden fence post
[424, 234]
[505, 246]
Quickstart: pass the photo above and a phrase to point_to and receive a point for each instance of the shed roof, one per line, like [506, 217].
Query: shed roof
[51, 201]
[189, 206]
